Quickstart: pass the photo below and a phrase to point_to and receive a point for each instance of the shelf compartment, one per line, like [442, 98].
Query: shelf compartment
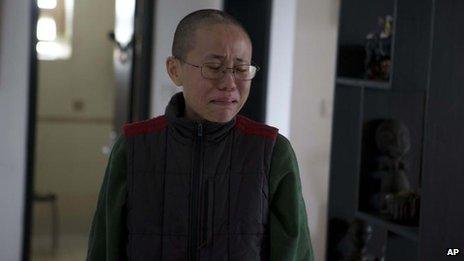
[358, 21]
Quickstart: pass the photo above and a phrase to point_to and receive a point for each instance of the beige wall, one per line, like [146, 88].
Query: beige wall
[69, 159]
[311, 107]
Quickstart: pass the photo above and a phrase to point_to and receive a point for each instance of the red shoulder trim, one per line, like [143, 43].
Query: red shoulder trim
[251, 127]
[142, 127]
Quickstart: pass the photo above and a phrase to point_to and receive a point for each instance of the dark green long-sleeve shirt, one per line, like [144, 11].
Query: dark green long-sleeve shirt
[289, 233]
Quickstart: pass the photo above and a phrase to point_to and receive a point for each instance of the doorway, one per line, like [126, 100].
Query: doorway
[87, 84]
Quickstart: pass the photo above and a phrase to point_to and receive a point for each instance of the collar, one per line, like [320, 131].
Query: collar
[185, 130]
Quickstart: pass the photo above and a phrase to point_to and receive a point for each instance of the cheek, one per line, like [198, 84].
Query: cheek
[244, 90]
[197, 91]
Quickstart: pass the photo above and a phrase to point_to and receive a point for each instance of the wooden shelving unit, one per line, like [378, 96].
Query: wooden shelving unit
[405, 96]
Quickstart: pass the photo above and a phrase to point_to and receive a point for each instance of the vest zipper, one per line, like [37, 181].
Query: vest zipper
[196, 190]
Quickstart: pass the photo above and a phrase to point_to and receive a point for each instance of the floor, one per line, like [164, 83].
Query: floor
[70, 248]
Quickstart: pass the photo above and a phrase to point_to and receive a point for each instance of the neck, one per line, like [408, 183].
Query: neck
[190, 115]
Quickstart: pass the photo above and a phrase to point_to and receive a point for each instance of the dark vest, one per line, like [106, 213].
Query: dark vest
[198, 191]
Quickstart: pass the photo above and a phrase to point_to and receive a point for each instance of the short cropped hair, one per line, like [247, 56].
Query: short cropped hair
[185, 31]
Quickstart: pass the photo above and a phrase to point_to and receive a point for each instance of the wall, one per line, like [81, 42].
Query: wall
[311, 107]
[300, 96]
[14, 85]
[69, 158]
[168, 13]
[280, 75]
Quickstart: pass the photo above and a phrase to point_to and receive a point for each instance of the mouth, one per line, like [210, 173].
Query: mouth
[224, 101]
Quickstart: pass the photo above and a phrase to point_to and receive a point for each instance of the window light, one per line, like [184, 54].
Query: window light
[52, 50]
[54, 29]
[46, 29]
[47, 4]
[124, 24]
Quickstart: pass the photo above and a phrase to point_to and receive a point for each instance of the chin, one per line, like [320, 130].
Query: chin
[223, 118]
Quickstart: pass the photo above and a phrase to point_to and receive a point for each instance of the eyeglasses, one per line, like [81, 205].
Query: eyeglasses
[215, 71]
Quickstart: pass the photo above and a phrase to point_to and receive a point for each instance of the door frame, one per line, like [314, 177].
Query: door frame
[31, 133]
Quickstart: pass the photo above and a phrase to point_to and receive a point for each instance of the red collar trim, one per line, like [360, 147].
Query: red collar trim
[250, 127]
[157, 124]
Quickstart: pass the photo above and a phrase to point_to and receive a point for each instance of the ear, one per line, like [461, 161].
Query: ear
[173, 67]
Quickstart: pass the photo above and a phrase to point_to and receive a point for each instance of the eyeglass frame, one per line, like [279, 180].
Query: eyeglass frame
[224, 68]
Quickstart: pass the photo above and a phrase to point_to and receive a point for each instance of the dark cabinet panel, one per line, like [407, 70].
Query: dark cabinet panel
[443, 173]
[345, 150]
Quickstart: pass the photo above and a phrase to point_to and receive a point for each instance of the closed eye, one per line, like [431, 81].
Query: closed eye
[242, 68]
[213, 66]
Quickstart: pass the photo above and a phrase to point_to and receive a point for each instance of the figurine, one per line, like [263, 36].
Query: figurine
[378, 49]
[360, 233]
[395, 197]
[348, 241]
[392, 139]
[403, 207]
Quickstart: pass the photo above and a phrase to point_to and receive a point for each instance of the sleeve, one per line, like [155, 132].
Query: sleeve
[289, 233]
[106, 239]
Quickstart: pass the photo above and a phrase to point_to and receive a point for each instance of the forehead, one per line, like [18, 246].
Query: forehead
[220, 41]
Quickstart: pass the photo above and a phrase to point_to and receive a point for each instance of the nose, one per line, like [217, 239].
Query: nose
[228, 80]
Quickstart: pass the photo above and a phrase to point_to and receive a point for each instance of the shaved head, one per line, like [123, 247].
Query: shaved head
[187, 27]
